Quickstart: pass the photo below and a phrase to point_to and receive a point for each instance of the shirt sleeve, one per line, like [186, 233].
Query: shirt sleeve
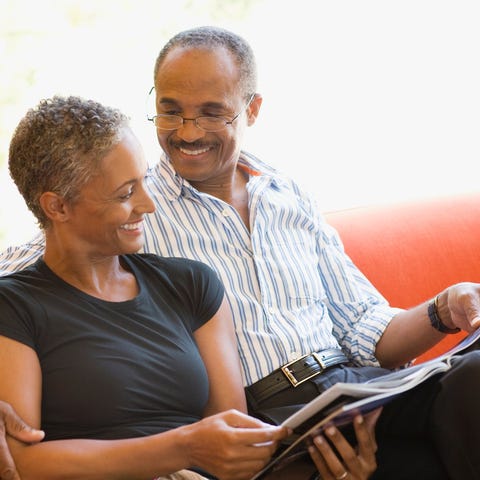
[359, 313]
[17, 258]
[195, 285]
[16, 313]
[207, 292]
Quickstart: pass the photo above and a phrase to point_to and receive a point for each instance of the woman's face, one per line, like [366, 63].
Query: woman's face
[107, 218]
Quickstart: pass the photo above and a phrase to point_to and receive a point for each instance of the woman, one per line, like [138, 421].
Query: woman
[117, 356]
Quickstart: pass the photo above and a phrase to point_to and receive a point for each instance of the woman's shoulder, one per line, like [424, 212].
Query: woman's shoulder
[169, 264]
[30, 274]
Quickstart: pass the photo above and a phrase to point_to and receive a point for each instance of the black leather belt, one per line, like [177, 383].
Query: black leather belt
[295, 373]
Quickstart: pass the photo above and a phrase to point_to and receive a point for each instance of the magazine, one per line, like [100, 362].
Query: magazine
[343, 401]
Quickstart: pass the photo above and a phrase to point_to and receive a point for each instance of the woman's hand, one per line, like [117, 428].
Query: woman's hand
[232, 445]
[351, 463]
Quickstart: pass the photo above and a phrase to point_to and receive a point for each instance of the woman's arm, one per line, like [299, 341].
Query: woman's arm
[230, 445]
[218, 348]
[216, 443]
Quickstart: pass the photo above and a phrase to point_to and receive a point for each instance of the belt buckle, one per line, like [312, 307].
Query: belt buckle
[290, 375]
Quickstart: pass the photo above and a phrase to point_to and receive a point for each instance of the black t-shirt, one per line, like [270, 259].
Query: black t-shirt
[115, 369]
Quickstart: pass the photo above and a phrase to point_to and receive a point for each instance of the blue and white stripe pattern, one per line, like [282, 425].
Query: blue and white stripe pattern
[289, 283]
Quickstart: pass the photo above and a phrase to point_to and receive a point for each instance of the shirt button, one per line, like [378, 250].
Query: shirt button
[226, 213]
[271, 310]
[293, 356]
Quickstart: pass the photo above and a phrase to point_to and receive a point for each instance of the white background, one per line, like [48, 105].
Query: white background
[364, 101]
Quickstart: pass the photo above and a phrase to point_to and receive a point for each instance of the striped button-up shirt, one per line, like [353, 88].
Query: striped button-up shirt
[291, 287]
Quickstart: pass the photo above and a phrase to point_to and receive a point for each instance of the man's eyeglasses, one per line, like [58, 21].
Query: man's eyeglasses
[207, 124]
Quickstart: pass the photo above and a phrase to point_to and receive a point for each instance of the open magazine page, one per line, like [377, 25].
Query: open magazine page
[343, 401]
[397, 381]
[387, 385]
[468, 341]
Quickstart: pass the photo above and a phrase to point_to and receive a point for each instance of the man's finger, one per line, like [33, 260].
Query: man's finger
[7, 467]
[16, 427]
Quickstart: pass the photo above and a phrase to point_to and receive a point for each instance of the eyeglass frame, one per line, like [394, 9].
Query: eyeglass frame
[195, 120]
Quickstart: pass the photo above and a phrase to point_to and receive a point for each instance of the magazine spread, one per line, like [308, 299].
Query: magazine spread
[343, 401]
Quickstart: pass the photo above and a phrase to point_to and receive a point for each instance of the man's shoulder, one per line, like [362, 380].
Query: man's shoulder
[18, 257]
[279, 179]
[255, 164]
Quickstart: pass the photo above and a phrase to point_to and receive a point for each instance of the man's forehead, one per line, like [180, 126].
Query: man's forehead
[200, 63]
[197, 77]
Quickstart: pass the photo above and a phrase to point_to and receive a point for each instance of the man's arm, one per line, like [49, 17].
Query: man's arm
[11, 260]
[18, 257]
[410, 333]
[13, 425]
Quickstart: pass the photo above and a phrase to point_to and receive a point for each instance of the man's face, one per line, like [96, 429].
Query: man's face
[197, 82]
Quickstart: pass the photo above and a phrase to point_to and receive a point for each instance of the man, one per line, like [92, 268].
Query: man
[294, 294]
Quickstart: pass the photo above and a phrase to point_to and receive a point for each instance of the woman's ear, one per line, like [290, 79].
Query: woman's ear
[54, 206]
[253, 109]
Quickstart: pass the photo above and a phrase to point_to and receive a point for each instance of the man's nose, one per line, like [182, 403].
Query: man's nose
[189, 131]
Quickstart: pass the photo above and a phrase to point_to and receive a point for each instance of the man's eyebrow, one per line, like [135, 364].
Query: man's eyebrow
[166, 100]
[212, 104]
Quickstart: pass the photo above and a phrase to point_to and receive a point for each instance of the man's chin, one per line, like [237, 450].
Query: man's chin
[190, 173]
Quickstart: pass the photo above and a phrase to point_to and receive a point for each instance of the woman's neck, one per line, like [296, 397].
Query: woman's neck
[106, 278]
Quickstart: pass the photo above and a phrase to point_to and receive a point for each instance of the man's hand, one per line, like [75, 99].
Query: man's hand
[13, 425]
[351, 463]
[459, 306]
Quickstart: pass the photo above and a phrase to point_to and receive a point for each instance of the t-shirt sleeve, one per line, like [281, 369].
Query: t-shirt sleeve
[16, 313]
[192, 288]
[206, 292]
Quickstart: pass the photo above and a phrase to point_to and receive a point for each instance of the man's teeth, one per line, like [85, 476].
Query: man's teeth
[194, 152]
[131, 226]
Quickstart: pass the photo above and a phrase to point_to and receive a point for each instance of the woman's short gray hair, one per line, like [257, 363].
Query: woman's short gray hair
[58, 145]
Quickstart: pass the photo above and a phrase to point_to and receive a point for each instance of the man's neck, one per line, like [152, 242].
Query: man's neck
[234, 193]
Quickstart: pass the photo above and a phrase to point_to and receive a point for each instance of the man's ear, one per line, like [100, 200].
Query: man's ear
[253, 109]
[54, 206]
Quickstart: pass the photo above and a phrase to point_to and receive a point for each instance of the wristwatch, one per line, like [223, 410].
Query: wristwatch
[435, 319]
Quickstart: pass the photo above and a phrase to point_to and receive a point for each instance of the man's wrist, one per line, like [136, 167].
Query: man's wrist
[435, 318]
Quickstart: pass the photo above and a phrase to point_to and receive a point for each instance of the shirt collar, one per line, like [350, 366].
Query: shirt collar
[175, 185]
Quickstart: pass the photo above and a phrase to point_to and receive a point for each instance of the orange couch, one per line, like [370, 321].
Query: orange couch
[412, 250]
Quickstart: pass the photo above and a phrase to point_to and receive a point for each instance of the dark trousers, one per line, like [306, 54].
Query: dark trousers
[431, 432]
